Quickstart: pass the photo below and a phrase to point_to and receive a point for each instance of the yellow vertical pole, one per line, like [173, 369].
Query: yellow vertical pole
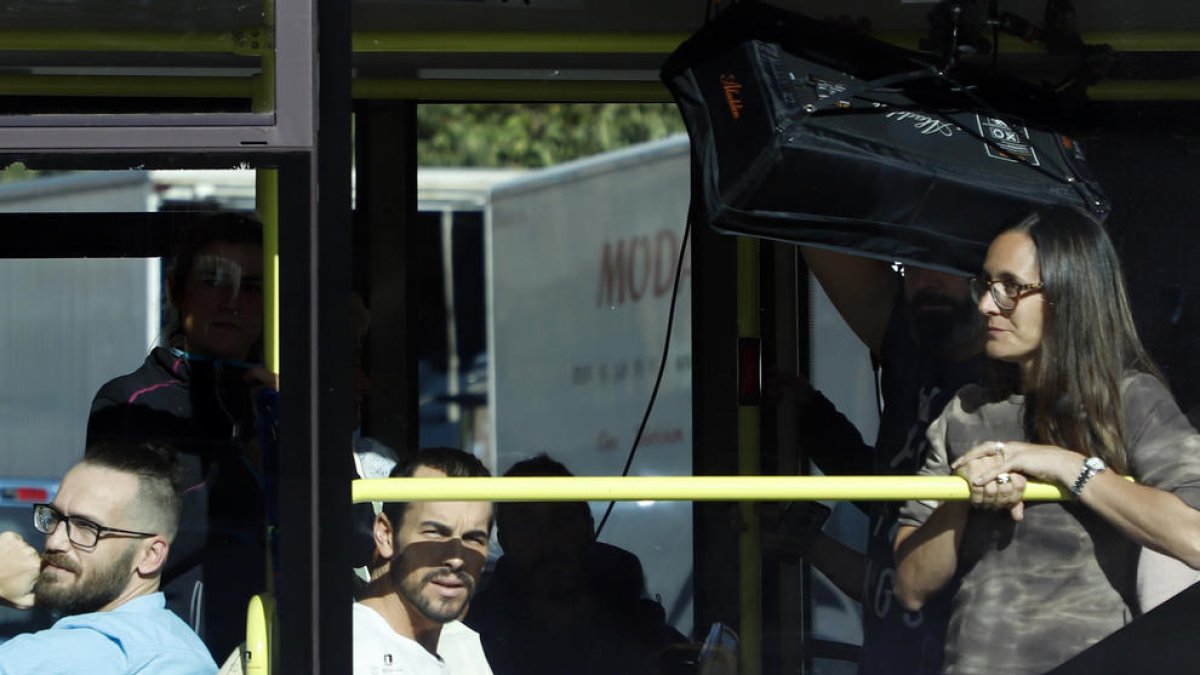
[749, 463]
[259, 625]
[266, 194]
[266, 197]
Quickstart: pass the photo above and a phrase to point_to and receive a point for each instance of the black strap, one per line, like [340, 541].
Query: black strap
[827, 104]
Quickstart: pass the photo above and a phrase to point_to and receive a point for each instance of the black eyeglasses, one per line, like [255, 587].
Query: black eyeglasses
[81, 531]
[1005, 292]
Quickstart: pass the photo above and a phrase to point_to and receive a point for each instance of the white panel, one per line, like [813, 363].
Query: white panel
[841, 365]
[68, 327]
[582, 257]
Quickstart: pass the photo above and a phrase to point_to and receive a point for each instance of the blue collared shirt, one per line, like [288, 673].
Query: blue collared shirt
[140, 636]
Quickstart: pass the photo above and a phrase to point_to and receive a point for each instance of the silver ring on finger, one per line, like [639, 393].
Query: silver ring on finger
[1003, 479]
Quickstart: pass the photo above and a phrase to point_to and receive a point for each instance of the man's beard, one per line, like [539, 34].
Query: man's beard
[942, 325]
[435, 609]
[88, 593]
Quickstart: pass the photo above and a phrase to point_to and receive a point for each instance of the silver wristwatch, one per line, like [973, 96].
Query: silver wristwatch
[1091, 467]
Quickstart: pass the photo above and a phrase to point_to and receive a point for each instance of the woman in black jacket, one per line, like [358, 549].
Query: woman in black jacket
[197, 392]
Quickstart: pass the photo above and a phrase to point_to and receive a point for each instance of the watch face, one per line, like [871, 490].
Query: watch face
[1094, 463]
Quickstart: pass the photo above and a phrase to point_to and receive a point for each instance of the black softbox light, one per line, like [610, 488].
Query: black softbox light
[806, 132]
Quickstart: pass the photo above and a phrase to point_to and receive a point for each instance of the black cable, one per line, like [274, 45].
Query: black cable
[875, 367]
[662, 365]
[995, 44]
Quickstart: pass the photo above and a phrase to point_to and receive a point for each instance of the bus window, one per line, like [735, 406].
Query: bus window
[548, 260]
[91, 339]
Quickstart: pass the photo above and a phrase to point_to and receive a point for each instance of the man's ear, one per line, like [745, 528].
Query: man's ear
[497, 529]
[153, 556]
[384, 546]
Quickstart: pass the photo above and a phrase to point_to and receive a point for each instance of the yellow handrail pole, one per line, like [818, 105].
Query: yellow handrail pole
[189, 42]
[470, 90]
[266, 194]
[1121, 41]
[493, 42]
[466, 42]
[681, 488]
[749, 464]
[122, 85]
[260, 624]
[1144, 90]
[250, 39]
[266, 197]
[473, 90]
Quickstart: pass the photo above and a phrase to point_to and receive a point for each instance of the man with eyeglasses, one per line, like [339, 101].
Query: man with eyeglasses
[108, 532]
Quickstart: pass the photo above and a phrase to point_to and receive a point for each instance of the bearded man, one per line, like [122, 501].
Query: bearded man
[926, 340]
[429, 556]
[108, 532]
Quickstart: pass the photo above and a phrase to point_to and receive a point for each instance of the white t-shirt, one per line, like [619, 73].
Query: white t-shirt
[460, 648]
[379, 650]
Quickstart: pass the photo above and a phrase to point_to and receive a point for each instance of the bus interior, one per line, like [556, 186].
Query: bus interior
[506, 184]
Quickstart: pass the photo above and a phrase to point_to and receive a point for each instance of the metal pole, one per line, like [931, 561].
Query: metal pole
[683, 488]
[749, 464]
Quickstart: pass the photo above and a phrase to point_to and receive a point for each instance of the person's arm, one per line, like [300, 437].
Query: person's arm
[798, 535]
[20, 565]
[841, 564]
[927, 541]
[1152, 517]
[260, 376]
[927, 556]
[830, 440]
[863, 290]
[77, 650]
[1160, 511]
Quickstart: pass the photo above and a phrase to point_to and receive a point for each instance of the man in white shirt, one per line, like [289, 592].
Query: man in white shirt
[434, 553]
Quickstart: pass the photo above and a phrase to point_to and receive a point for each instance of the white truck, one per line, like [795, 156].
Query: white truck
[581, 260]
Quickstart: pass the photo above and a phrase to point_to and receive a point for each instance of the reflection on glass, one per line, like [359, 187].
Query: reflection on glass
[74, 324]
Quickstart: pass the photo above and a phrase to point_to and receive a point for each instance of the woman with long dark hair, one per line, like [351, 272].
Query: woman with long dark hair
[1076, 402]
[196, 392]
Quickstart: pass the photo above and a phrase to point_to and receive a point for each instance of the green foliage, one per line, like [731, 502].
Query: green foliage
[535, 135]
[15, 172]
